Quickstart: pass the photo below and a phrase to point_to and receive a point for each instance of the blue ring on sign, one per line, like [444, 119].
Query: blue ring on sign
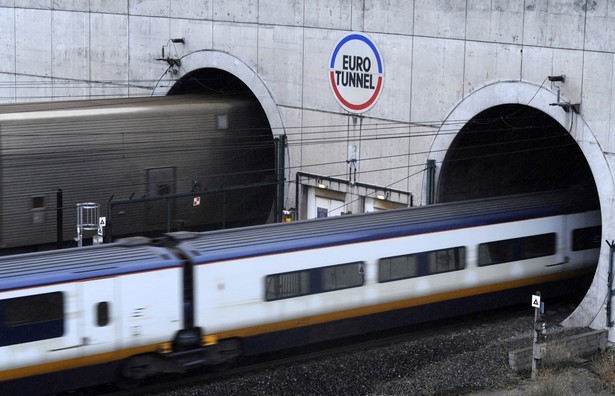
[356, 37]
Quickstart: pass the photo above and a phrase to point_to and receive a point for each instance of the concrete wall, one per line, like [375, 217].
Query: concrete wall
[560, 351]
[436, 54]
[443, 60]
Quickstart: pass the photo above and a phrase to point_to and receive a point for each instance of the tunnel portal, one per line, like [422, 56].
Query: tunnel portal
[512, 149]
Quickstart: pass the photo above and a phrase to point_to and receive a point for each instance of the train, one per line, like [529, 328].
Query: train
[97, 151]
[141, 306]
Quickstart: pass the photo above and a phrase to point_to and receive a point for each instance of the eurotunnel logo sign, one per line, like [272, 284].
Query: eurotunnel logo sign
[356, 73]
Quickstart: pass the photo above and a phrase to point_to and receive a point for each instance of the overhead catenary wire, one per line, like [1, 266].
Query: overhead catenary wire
[321, 134]
[308, 135]
[147, 141]
[343, 173]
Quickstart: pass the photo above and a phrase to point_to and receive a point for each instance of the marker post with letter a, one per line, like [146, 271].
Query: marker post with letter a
[539, 344]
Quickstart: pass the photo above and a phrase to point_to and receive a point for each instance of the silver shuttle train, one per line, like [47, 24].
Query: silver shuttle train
[115, 149]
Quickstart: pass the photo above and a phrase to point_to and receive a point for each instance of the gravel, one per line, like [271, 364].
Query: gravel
[470, 358]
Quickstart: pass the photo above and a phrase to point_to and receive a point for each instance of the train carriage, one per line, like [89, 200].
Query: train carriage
[144, 306]
[70, 316]
[281, 285]
[100, 150]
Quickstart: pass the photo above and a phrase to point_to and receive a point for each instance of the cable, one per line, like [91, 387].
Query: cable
[387, 186]
[322, 135]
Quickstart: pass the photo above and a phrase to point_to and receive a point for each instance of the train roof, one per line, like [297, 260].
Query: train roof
[45, 111]
[277, 238]
[77, 264]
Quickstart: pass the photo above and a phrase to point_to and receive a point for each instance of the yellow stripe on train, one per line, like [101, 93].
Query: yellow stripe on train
[391, 306]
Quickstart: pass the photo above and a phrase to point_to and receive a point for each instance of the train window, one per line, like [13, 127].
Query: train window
[102, 314]
[446, 260]
[163, 189]
[38, 202]
[31, 318]
[538, 246]
[586, 238]
[38, 209]
[222, 121]
[516, 249]
[342, 276]
[287, 285]
[496, 252]
[421, 264]
[398, 267]
[312, 281]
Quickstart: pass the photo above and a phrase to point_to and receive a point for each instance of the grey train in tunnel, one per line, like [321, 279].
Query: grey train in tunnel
[132, 150]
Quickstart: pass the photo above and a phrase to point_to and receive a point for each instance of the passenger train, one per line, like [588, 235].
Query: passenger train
[138, 307]
[117, 149]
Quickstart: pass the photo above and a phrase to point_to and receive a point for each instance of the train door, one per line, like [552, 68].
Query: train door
[565, 244]
[100, 318]
[160, 182]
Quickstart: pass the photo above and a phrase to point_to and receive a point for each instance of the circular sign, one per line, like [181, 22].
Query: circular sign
[356, 73]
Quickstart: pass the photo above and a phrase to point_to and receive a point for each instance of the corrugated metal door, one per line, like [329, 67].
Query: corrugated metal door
[160, 182]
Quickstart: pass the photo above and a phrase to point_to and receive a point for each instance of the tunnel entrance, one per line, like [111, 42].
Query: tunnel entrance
[243, 141]
[210, 81]
[512, 149]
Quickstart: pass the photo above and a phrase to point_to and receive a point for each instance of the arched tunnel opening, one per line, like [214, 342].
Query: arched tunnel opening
[512, 149]
[210, 81]
[516, 149]
[249, 156]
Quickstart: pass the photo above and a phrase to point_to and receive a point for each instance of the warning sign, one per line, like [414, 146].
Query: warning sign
[535, 301]
[196, 201]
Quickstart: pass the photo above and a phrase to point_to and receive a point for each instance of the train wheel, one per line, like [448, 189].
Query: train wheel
[126, 383]
[132, 371]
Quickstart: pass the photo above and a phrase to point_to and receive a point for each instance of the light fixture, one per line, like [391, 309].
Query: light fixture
[174, 62]
[320, 184]
[382, 195]
[567, 106]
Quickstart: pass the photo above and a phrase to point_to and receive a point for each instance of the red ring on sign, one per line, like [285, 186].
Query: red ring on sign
[354, 106]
